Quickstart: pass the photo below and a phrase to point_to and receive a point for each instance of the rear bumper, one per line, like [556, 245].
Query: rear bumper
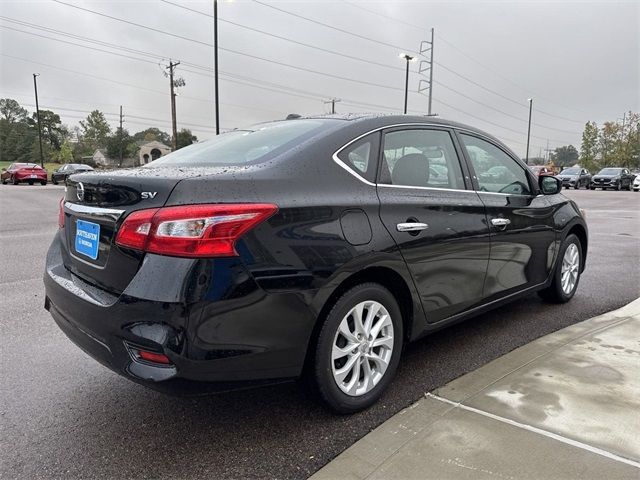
[20, 177]
[218, 345]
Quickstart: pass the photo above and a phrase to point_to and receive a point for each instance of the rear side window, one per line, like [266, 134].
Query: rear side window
[421, 158]
[240, 147]
[361, 156]
[495, 170]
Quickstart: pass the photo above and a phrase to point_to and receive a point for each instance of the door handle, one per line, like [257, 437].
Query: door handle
[500, 222]
[411, 227]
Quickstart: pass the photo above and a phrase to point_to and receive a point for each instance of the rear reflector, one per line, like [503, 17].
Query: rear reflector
[153, 357]
[192, 230]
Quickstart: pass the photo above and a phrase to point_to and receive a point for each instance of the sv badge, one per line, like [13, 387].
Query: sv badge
[147, 195]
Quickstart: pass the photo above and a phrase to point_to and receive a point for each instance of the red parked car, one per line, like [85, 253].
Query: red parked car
[541, 171]
[24, 172]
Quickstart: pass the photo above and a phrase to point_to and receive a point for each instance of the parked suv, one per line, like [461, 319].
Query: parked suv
[314, 246]
[575, 177]
[612, 177]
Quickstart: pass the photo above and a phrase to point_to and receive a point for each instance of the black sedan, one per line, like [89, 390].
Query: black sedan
[313, 247]
[613, 178]
[61, 174]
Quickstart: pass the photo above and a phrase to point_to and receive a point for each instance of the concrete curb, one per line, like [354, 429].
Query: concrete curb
[483, 425]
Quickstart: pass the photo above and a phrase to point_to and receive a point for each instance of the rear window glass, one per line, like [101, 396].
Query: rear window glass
[239, 147]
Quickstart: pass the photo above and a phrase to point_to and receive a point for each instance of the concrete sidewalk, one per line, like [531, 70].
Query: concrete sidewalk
[564, 406]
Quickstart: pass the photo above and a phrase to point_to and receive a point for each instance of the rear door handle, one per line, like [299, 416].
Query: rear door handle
[411, 227]
[500, 222]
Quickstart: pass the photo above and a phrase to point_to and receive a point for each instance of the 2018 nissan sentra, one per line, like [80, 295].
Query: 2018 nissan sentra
[314, 247]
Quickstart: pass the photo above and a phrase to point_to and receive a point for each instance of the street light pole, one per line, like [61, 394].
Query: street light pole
[408, 58]
[529, 130]
[215, 62]
[35, 87]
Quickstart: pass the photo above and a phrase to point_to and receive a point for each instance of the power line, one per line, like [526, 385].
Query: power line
[470, 57]
[286, 39]
[347, 32]
[256, 57]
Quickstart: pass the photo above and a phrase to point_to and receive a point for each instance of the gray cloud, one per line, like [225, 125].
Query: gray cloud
[579, 61]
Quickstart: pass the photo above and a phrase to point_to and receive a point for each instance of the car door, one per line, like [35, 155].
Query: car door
[520, 220]
[435, 218]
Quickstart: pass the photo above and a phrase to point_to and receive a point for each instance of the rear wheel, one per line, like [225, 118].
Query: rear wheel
[358, 348]
[567, 273]
[14, 181]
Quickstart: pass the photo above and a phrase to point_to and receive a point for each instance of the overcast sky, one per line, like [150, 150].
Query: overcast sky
[579, 61]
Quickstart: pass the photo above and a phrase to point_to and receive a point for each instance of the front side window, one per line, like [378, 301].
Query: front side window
[421, 158]
[360, 156]
[495, 170]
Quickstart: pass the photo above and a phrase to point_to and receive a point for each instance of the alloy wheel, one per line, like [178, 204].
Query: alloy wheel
[362, 348]
[570, 269]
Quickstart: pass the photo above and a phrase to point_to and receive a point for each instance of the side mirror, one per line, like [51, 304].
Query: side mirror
[549, 185]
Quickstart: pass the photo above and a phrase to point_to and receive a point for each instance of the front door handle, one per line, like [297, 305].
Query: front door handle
[411, 227]
[500, 222]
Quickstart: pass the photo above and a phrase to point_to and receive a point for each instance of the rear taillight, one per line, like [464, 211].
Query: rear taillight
[192, 230]
[61, 214]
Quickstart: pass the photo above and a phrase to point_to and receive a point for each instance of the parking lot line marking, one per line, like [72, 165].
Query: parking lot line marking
[530, 428]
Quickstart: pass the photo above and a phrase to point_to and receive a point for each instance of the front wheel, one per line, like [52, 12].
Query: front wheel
[358, 348]
[567, 272]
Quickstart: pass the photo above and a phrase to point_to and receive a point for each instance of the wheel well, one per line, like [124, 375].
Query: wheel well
[384, 276]
[580, 232]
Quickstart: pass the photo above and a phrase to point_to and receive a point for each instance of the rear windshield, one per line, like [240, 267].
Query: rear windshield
[239, 147]
[570, 171]
[610, 171]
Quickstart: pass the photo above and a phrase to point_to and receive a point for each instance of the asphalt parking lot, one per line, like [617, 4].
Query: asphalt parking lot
[64, 415]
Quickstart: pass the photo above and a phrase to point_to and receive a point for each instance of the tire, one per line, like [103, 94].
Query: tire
[366, 389]
[14, 181]
[43, 183]
[592, 188]
[555, 293]
[55, 182]
[619, 186]
[30, 182]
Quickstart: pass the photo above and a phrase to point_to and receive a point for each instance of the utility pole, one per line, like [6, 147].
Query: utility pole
[35, 87]
[120, 135]
[215, 63]
[431, 74]
[526, 160]
[427, 46]
[333, 102]
[174, 127]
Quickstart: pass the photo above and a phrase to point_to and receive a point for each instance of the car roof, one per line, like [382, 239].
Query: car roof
[382, 120]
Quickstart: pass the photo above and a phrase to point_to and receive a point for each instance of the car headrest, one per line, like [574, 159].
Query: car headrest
[412, 169]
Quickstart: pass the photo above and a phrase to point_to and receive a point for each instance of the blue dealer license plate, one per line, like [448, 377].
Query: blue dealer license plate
[87, 239]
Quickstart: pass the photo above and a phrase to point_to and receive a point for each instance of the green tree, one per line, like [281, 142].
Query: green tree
[53, 132]
[589, 146]
[95, 130]
[565, 156]
[151, 134]
[17, 133]
[608, 143]
[121, 139]
[185, 138]
[65, 155]
[11, 111]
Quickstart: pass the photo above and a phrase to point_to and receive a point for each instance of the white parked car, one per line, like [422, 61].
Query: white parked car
[636, 183]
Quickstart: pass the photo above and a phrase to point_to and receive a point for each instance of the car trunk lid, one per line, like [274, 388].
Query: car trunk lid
[95, 205]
